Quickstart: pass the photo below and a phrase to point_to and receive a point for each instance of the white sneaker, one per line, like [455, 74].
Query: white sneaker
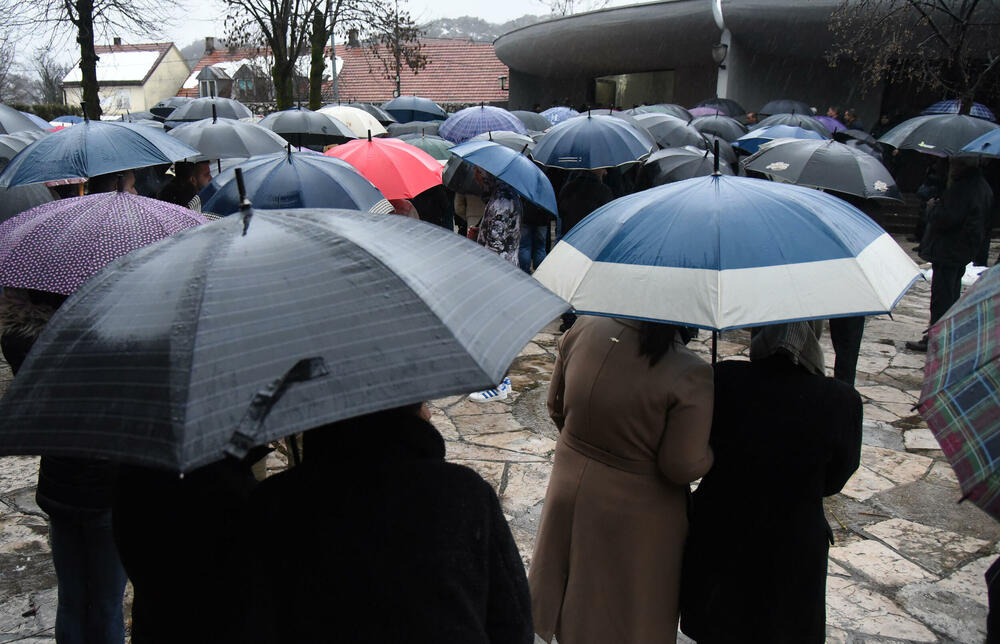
[489, 395]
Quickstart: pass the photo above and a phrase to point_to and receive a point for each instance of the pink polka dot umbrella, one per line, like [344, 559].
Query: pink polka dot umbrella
[58, 246]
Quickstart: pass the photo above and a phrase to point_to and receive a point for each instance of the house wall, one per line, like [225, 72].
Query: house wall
[165, 80]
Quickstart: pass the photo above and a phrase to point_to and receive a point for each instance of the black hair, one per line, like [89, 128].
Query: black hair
[655, 339]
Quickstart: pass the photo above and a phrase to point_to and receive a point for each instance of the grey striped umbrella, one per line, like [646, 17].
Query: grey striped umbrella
[244, 330]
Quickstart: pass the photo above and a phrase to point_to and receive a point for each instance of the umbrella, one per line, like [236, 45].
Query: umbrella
[252, 328]
[414, 127]
[706, 111]
[786, 106]
[69, 119]
[618, 114]
[511, 167]
[301, 126]
[380, 114]
[559, 114]
[37, 120]
[220, 138]
[854, 135]
[398, 169]
[465, 124]
[199, 109]
[516, 142]
[825, 164]
[960, 389]
[951, 107]
[14, 201]
[988, 144]
[670, 131]
[875, 152]
[662, 108]
[676, 164]
[831, 124]
[532, 120]
[592, 141]
[58, 246]
[432, 145]
[942, 135]
[293, 180]
[727, 106]
[753, 139]
[90, 149]
[725, 127]
[725, 149]
[135, 117]
[725, 252]
[12, 121]
[151, 123]
[166, 107]
[459, 176]
[11, 144]
[414, 108]
[795, 120]
[358, 121]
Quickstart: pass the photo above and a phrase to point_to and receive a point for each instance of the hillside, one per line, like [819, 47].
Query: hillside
[475, 28]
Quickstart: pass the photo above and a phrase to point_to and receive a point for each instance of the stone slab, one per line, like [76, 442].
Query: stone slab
[485, 424]
[881, 565]
[833, 568]
[898, 467]
[466, 407]
[523, 441]
[936, 506]
[865, 484]
[18, 472]
[462, 451]
[526, 486]
[942, 474]
[884, 393]
[906, 360]
[852, 606]
[934, 549]
[532, 349]
[918, 439]
[957, 616]
[871, 411]
[881, 434]
[491, 471]
[969, 580]
[444, 425]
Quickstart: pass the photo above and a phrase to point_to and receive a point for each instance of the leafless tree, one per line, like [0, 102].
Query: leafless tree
[949, 46]
[568, 7]
[394, 40]
[50, 73]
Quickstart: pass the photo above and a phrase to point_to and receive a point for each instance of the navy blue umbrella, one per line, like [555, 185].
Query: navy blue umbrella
[293, 180]
[588, 142]
[414, 108]
[514, 169]
[93, 148]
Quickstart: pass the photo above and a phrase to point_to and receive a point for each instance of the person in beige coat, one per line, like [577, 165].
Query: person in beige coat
[634, 410]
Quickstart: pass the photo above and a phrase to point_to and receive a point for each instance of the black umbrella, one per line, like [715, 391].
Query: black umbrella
[872, 150]
[942, 135]
[676, 164]
[208, 107]
[459, 176]
[135, 117]
[723, 126]
[727, 154]
[380, 115]
[786, 106]
[727, 106]
[670, 131]
[429, 128]
[825, 164]
[166, 107]
[301, 126]
[12, 121]
[532, 120]
[14, 201]
[795, 120]
[257, 326]
[847, 135]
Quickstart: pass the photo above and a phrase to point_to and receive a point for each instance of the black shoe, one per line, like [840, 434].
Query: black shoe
[919, 345]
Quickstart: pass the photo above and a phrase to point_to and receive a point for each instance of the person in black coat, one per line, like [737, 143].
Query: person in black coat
[375, 538]
[784, 436]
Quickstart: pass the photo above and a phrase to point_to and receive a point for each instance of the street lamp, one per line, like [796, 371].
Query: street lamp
[719, 51]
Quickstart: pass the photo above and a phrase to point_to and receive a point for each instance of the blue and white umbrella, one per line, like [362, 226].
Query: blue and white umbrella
[473, 121]
[511, 167]
[559, 114]
[752, 140]
[987, 145]
[725, 252]
[951, 107]
[592, 141]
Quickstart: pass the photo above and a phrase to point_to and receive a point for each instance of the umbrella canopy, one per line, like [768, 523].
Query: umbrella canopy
[414, 108]
[978, 110]
[752, 140]
[301, 126]
[825, 164]
[786, 106]
[249, 329]
[166, 107]
[414, 127]
[198, 109]
[459, 176]
[37, 120]
[380, 114]
[293, 180]
[727, 106]
[706, 111]
[677, 164]
[854, 135]
[68, 118]
[358, 121]
[511, 167]
[14, 201]
[228, 139]
[662, 108]
[519, 143]
[559, 114]
[135, 117]
[432, 145]
[725, 252]
[861, 146]
[724, 127]
[398, 169]
[592, 141]
[727, 154]
[532, 120]
[942, 135]
[795, 120]
[988, 144]
[11, 144]
[465, 124]
[58, 246]
[831, 124]
[12, 121]
[93, 148]
[670, 131]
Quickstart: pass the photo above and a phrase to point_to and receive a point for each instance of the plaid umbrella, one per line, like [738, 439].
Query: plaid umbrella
[961, 385]
[951, 107]
[465, 124]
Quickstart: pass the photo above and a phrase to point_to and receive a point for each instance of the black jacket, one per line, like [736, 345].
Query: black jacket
[375, 538]
[756, 557]
[956, 225]
[581, 196]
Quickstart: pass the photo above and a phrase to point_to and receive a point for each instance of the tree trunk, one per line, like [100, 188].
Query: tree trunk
[284, 89]
[88, 57]
[317, 41]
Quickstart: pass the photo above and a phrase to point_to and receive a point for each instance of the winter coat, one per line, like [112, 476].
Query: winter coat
[470, 208]
[607, 559]
[434, 205]
[581, 196]
[956, 224]
[375, 538]
[756, 558]
[500, 227]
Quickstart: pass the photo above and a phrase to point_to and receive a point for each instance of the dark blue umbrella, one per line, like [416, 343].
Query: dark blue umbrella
[514, 169]
[292, 180]
[592, 141]
[472, 121]
[951, 107]
[90, 149]
[68, 118]
[414, 108]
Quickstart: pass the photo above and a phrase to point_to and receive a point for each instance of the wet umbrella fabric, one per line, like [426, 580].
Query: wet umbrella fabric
[786, 106]
[677, 164]
[706, 111]
[228, 139]
[380, 114]
[58, 246]
[725, 252]
[301, 126]
[465, 124]
[167, 106]
[857, 135]
[37, 120]
[795, 120]
[588, 142]
[831, 124]
[69, 119]
[14, 201]
[520, 143]
[429, 128]
[977, 110]
[93, 148]
[825, 164]
[662, 108]
[669, 131]
[198, 109]
[725, 127]
[559, 114]
[459, 176]
[727, 106]
[511, 167]
[135, 117]
[727, 154]
[942, 135]
[398, 169]
[358, 121]
[752, 140]
[11, 144]
[987, 145]
[432, 145]
[533, 121]
[233, 335]
[295, 180]
[414, 108]
[12, 122]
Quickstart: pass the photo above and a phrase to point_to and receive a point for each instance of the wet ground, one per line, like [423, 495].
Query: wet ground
[908, 562]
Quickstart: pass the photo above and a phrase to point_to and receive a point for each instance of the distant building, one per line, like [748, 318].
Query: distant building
[131, 78]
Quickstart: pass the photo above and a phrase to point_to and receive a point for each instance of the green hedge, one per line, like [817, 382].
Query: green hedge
[48, 111]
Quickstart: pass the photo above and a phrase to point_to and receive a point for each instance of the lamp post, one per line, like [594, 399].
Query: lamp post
[719, 52]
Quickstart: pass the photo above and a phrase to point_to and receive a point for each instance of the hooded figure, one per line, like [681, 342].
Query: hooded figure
[784, 436]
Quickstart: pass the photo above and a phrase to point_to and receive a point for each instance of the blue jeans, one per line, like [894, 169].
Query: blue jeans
[532, 248]
[91, 578]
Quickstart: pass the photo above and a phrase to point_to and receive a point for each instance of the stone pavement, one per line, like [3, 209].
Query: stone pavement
[908, 562]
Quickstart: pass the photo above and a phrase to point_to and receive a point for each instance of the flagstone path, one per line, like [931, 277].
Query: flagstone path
[908, 561]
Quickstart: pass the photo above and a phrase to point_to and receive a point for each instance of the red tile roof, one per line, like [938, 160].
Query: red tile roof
[220, 56]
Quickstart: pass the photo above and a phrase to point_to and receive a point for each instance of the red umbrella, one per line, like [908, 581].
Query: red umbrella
[399, 170]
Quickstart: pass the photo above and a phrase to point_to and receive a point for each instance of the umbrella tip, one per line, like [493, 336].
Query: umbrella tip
[83, 108]
[246, 208]
[369, 136]
[715, 150]
[215, 116]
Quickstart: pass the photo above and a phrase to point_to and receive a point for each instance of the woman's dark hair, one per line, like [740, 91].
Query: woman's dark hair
[655, 339]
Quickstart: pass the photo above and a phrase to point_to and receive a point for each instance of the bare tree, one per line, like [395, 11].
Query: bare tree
[317, 62]
[50, 73]
[568, 7]
[944, 45]
[395, 42]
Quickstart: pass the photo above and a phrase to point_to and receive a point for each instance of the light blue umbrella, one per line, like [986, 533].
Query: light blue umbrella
[465, 124]
[752, 140]
[514, 169]
[68, 118]
[559, 113]
[987, 145]
[37, 120]
[591, 142]
[414, 108]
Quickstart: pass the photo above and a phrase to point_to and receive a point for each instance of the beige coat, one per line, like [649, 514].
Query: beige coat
[470, 208]
[607, 560]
